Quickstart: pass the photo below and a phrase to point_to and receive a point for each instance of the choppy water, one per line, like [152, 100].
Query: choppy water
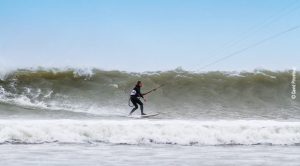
[107, 155]
[78, 117]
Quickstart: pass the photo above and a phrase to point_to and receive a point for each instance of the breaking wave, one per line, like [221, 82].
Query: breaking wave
[260, 93]
[239, 132]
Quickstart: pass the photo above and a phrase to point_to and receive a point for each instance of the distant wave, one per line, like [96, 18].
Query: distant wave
[240, 132]
[258, 93]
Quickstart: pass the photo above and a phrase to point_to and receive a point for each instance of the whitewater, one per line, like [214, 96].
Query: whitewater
[206, 118]
[181, 132]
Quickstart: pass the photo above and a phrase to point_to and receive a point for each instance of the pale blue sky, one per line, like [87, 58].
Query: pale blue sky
[137, 35]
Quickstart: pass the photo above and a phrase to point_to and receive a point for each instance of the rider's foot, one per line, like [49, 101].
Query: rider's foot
[144, 114]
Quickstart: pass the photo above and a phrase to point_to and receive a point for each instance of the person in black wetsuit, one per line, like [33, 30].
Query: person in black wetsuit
[134, 98]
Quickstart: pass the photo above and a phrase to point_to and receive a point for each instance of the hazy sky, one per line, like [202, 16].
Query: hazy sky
[140, 35]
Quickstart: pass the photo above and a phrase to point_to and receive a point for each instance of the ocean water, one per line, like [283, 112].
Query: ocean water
[79, 117]
[107, 154]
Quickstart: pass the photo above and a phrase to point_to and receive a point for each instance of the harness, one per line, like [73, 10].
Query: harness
[133, 92]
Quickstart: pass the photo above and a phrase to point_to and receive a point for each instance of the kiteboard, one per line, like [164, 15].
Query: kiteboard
[143, 116]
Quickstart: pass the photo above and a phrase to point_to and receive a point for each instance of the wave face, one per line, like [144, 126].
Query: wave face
[182, 132]
[262, 93]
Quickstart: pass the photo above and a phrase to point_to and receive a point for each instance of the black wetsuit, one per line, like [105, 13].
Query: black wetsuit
[134, 97]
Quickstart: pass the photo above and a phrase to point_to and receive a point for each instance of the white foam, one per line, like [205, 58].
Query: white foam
[264, 74]
[30, 99]
[114, 85]
[181, 132]
[87, 72]
[22, 99]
